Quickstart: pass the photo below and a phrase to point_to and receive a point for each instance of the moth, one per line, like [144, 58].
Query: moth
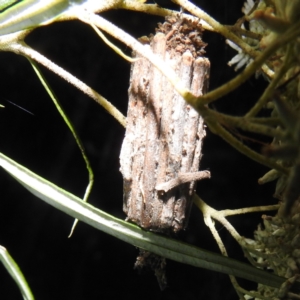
[161, 150]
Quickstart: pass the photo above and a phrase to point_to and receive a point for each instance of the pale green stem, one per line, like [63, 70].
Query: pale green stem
[112, 46]
[146, 52]
[154, 9]
[246, 210]
[235, 143]
[198, 12]
[73, 131]
[210, 223]
[231, 85]
[245, 124]
[269, 91]
[23, 49]
[210, 213]
[207, 22]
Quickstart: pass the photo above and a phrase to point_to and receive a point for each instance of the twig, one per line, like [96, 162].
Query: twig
[181, 179]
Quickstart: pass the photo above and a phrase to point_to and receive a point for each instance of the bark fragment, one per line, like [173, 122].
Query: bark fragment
[163, 140]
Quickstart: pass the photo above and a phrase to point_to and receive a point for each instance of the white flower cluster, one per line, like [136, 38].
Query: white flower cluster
[265, 20]
[242, 59]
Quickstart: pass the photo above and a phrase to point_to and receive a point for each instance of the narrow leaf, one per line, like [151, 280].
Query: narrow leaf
[16, 274]
[132, 234]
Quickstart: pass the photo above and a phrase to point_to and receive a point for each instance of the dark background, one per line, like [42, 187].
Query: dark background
[91, 264]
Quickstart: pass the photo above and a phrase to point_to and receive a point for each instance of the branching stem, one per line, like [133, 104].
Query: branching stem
[25, 50]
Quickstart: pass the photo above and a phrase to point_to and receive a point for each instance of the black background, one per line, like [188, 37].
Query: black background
[91, 264]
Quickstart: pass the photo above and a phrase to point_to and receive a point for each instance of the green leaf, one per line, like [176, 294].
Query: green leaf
[29, 13]
[15, 272]
[160, 245]
[5, 4]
